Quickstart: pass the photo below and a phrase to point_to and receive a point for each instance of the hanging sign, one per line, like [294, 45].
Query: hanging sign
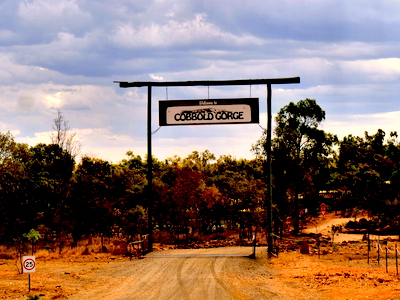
[210, 111]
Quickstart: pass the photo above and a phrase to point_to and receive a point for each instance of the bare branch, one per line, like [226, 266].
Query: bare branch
[63, 136]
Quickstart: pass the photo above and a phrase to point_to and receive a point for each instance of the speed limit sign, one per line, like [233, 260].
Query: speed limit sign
[28, 264]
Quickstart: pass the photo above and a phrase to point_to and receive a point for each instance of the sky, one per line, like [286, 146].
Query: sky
[66, 54]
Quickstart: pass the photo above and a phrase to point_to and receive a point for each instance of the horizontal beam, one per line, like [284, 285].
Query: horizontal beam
[123, 84]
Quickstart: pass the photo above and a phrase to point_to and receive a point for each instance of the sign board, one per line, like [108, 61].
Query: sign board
[209, 111]
[28, 264]
[323, 208]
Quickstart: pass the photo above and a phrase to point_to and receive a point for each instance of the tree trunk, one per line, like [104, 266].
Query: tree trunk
[296, 219]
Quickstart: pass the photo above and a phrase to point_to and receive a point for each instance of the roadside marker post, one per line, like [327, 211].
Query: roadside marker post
[397, 260]
[387, 258]
[29, 266]
[253, 255]
[323, 209]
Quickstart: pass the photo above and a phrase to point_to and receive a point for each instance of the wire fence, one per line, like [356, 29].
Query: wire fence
[383, 252]
[379, 251]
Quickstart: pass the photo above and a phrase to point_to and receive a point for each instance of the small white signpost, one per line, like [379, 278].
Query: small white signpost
[29, 266]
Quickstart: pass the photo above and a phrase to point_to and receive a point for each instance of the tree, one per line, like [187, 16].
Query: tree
[365, 166]
[185, 197]
[22, 245]
[299, 151]
[15, 217]
[63, 137]
[50, 170]
[241, 182]
[128, 191]
[92, 204]
[199, 161]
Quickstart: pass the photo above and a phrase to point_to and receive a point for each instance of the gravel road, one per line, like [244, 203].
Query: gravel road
[218, 273]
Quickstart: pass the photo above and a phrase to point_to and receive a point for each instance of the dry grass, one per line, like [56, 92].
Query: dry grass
[58, 274]
[341, 274]
[7, 253]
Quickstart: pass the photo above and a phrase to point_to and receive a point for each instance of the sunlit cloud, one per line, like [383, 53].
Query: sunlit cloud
[66, 54]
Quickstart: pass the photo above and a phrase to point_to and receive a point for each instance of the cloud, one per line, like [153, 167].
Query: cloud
[310, 20]
[25, 103]
[196, 32]
[156, 77]
[6, 36]
[356, 124]
[45, 19]
[378, 70]
[66, 54]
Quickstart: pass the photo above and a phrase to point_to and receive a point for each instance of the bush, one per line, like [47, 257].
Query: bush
[351, 225]
[6, 256]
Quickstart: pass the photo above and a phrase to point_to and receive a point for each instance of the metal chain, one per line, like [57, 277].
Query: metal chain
[155, 131]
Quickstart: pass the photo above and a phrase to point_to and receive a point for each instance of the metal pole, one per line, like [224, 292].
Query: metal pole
[253, 255]
[368, 248]
[269, 171]
[397, 261]
[149, 173]
[150, 84]
[386, 259]
[379, 252]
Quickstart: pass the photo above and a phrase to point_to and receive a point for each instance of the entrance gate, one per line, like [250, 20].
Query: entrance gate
[267, 82]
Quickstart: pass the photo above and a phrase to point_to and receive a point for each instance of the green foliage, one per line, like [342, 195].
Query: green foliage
[366, 174]
[301, 157]
[32, 236]
[42, 188]
[25, 244]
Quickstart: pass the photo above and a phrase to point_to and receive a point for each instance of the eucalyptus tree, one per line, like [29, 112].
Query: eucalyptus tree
[242, 184]
[16, 218]
[300, 151]
[50, 169]
[365, 170]
[92, 202]
[200, 161]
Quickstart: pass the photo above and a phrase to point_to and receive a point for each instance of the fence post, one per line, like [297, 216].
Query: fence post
[253, 255]
[379, 252]
[368, 247]
[397, 261]
[386, 259]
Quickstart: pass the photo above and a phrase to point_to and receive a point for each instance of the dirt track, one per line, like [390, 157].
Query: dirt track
[324, 226]
[188, 274]
[216, 273]
[206, 274]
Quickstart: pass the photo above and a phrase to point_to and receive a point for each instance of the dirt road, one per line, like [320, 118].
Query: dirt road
[324, 226]
[218, 273]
